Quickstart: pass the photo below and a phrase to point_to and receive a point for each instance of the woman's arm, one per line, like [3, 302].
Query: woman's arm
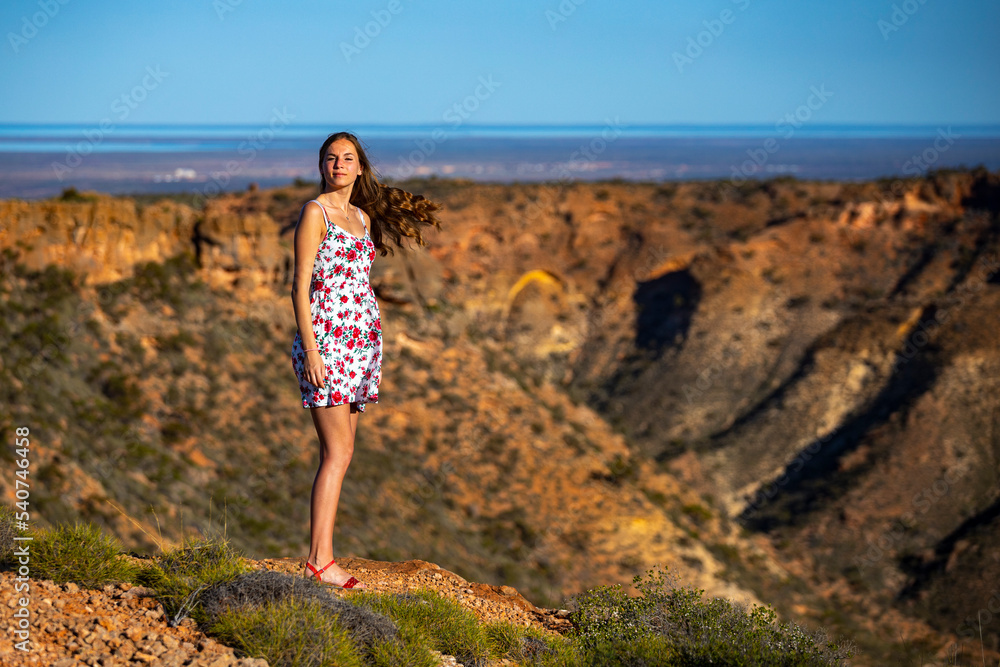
[309, 232]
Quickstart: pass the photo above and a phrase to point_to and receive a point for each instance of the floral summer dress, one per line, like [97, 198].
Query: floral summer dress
[345, 319]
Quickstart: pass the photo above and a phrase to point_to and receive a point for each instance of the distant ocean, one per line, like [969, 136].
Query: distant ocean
[42, 160]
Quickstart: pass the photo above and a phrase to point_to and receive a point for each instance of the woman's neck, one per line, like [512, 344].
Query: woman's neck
[335, 198]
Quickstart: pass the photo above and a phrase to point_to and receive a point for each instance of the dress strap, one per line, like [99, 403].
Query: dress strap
[326, 221]
[322, 208]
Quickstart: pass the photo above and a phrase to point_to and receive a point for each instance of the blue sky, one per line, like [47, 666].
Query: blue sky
[520, 61]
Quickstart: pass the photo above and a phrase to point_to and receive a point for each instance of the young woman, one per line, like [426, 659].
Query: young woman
[337, 351]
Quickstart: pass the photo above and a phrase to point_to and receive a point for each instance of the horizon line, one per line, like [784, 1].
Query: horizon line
[512, 124]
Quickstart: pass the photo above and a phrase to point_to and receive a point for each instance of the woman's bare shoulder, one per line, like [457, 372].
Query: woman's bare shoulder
[311, 217]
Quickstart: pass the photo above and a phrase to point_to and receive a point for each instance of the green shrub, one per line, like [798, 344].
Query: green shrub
[173, 281]
[427, 619]
[202, 560]
[179, 576]
[504, 638]
[291, 633]
[265, 587]
[695, 631]
[8, 531]
[410, 651]
[697, 512]
[608, 615]
[522, 645]
[74, 195]
[645, 651]
[81, 553]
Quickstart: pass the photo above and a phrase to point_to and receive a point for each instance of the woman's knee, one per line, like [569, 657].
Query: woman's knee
[346, 453]
[339, 455]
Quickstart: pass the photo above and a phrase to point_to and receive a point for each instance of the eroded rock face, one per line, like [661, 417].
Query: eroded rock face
[102, 239]
[818, 359]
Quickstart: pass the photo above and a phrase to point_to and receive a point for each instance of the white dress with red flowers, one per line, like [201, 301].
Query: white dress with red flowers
[345, 319]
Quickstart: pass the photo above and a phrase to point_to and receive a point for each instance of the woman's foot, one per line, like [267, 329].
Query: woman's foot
[333, 575]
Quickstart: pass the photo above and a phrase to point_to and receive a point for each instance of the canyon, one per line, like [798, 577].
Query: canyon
[783, 391]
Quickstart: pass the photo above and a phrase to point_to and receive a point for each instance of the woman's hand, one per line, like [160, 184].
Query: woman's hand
[315, 369]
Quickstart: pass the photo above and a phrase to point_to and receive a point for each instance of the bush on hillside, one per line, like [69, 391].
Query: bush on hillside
[295, 632]
[427, 619]
[695, 631]
[265, 587]
[180, 576]
[8, 531]
[81, 553]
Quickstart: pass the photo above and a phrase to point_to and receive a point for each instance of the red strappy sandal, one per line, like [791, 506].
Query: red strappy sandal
[347, 585]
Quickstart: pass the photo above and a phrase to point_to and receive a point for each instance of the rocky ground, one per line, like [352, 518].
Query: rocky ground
[125, 625]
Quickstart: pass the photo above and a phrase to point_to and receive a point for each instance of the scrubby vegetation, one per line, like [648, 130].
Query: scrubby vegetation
[80, 553]
[8, 531]
[293, 621]
[181, 576]
[668, 619]
[293, 632]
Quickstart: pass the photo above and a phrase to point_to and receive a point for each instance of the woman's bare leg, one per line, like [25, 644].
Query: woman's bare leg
[335, 426]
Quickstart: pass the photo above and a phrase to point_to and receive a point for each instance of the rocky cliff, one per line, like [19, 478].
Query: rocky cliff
[782, 390]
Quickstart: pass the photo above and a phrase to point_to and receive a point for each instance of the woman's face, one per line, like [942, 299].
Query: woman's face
[341, 166]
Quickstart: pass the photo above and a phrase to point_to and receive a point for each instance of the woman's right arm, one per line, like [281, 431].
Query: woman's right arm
[309, 233]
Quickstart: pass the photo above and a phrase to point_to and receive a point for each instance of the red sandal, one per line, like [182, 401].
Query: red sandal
[347, 585]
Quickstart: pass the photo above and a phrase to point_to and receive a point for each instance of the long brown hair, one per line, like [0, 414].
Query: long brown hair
[395, 214]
